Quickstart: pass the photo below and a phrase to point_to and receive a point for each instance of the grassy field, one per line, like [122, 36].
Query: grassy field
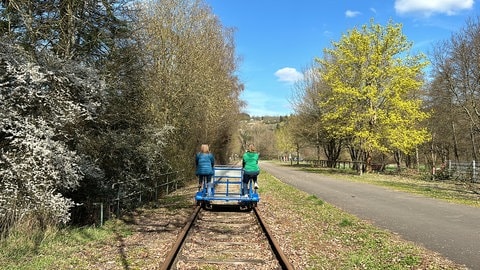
[313, 234]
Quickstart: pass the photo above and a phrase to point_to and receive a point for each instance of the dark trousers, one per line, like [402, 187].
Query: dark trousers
[204, 179]
[247, 177]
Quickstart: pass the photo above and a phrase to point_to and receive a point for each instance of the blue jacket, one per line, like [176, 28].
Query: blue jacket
[204, 163]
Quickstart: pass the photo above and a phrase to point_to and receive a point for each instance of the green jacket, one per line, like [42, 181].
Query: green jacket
[250, 162]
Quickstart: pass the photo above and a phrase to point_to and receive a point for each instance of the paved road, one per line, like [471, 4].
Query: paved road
[450, 229]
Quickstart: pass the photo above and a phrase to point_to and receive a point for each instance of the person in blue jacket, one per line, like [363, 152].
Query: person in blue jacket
[204, 162]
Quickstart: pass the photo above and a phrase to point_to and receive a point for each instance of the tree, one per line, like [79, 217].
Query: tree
[92, 34]
[167, 84]
[288, 138]
[374, 82]
[190, 81]
[456, 71]
[71, 29]
[39, 104]
[283, 141]
[311, 92]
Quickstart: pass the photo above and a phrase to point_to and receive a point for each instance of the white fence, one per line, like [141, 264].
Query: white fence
[466, 171]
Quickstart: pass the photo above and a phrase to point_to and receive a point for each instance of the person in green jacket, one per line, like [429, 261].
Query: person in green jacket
[250, 168]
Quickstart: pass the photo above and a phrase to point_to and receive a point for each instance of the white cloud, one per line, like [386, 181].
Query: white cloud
[288, 74]
[429, 7]
[351, 13]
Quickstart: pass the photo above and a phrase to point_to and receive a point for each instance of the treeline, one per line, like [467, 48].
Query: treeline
[370, 96]
[94, 94]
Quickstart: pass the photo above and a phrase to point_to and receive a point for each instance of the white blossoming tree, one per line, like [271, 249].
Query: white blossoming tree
[40, 100]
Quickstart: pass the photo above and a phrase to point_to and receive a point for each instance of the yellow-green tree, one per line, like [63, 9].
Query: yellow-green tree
[290, 137]
[283, 140]
[375, 83]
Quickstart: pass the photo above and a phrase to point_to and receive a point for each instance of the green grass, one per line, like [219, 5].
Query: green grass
[55, 249]
[67, 248]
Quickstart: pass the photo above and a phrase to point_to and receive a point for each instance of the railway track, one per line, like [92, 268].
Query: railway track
[226, 238]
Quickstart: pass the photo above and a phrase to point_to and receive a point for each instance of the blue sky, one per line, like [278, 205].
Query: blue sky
[277, 40]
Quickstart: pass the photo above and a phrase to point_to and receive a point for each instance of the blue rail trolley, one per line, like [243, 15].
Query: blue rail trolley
[227, 188]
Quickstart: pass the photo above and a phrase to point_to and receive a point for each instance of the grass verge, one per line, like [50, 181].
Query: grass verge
[56, 248]
[137, 241]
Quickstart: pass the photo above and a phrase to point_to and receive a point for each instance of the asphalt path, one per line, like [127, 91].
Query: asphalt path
[450, 229]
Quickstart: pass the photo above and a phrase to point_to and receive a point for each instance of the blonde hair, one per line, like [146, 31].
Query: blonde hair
[251, 148]
[204, 148]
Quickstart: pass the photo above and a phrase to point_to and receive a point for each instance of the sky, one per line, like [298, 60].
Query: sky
[277, 40]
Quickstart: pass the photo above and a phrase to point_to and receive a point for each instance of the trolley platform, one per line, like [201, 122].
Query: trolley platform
[226, 188]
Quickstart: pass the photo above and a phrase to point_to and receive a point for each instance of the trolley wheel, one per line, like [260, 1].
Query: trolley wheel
[206, 205]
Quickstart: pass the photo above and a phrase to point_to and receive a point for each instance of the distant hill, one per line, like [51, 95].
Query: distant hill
[265, 119]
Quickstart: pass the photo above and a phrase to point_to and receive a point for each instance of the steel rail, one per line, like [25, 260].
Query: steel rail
[282, 259]
[276, 249]
[169, 260]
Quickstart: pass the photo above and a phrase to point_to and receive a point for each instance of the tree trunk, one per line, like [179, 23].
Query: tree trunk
[298, 153]
[455, 143]
[474, 147]
[357, 158]
[332, 150]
